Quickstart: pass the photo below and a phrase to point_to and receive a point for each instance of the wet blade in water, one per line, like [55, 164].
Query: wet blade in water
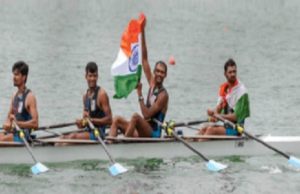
[117, 169]
[39, 168]
[215, 166]
[294, 161]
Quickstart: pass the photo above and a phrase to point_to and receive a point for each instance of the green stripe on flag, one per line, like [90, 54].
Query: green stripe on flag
[126, 83]
[242, 108]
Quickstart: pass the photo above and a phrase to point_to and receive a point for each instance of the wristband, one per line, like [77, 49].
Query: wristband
[141, 98]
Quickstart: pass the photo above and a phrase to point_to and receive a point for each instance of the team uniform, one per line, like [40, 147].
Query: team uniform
[91, 106]
[160, 116]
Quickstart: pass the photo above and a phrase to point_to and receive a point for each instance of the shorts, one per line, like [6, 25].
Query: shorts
[231, 132]
[156, 133]
[17, 137]
[92, 134]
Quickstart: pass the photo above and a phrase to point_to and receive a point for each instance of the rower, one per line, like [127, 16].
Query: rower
[156, 105]
[23, 107]
[233, 104]
[96, 107]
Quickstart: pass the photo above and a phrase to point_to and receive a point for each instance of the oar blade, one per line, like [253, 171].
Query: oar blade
[117, 169]
[215, 166]
[294, 162]
[39, 168]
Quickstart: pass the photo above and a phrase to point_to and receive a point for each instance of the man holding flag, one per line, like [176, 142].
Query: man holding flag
[157, 99]
[233, 103]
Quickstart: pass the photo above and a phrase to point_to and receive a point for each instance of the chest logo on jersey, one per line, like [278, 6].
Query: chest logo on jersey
[93, 105]
[20, 106]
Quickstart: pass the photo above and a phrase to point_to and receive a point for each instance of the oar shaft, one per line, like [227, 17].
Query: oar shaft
[102, 143]
[53, 132]
[26, 143]
[184, 142]
[252, 137]
[181, 124]
[189, 146]
[106, 150]
[29, 149]
[57, 126]
[267, 145]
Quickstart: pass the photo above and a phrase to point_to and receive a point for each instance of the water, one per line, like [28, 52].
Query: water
[181, 175]
[58, 38]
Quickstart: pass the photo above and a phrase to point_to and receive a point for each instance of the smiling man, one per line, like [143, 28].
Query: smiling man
[233, 103]
[156, 105]
[96, 107]
[23, 107]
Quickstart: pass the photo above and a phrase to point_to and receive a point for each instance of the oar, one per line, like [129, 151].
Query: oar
[210, 164]
[57, 126]
[115, 168]
[291, 159]
[38, 167]
[197, 122]
[188, 124]
[46, 128]
[53, 132]
[61, 125]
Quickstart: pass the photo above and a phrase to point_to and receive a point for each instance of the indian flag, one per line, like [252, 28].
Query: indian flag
[127, 68]
[237, 99]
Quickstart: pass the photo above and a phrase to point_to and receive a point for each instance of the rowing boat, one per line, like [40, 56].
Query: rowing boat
[130, 148]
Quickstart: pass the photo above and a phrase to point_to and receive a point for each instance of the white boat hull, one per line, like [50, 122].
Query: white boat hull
[165, 150]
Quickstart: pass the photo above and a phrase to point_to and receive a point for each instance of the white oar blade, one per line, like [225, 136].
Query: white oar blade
[294, 161]
[215, 166]
[117, 169]
[39, 168]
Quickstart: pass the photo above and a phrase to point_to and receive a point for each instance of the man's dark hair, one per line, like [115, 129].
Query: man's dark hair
[163, 64]
[91, 67]
[21, 67]
[229, 63]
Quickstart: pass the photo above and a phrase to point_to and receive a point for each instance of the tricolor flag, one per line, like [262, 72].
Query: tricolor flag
[127, 68]
[237, 99]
